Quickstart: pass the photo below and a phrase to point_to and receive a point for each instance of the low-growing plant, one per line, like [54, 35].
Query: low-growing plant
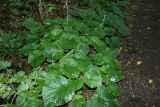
[81, 52]
[9, 43]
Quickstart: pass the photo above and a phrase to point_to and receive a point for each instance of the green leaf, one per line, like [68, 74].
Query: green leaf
[113, 75]
[104, 92]
[81, 49]
[56, 92]
[68, 40]
[26, 85]
[21, 99]
[97, 43]
[80, 55]
[2, 78]
[27, 49]
[31, 38]
[32, 102]
[84, 62]
[19, 77]
[6, 92]
[115, 89]
[88, 14]
[113, 42]
[70, 68]
[53, 53]
[32, 25]
[99, 32]
[109, 31]
[52, 22]
[59, 90]
[110, 52]
[98, 101]
[36, 58]
[55, 68]
[78, 101]
[58, 21]
[98, 59]
[117, 23]
[81, 27]
[4, 64]
[25, 101]
[54, 34]
[93, 77]
[75, 85]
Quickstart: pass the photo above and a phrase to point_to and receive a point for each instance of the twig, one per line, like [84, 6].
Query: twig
[42, 6]
[46, 9]
[40, 9]
[67, 6]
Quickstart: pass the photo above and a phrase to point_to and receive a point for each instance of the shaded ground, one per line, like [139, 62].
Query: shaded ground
[144, 46]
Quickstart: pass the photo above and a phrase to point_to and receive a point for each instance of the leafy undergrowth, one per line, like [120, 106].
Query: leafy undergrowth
[80, 53]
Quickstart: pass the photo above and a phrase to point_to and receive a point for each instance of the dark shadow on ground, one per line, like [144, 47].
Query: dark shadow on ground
[141, 84]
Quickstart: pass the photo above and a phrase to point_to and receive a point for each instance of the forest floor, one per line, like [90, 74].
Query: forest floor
[140, 57]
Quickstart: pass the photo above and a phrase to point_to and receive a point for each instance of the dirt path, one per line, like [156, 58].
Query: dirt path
[141, 84]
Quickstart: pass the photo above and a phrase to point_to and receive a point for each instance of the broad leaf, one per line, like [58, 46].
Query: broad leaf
[53, 53]
[29, 48]
[98, 59]
[105, 92]
[117, 23]
[81, 27]
[68, 40]
[36, 58]
[113, 75]
[97, 43]
[109, 31]
[59, 90]
[98, 101]
[32, 25]
[4, 64]
[53, 34]
[114, 87]
[84, 62]
[25, 101]
[92, 77]
[70, 68]
[56, 92]
[81, 49]
[54, 68]
[78, 101]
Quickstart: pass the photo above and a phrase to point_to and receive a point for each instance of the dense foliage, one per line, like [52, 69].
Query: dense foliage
[81, 52]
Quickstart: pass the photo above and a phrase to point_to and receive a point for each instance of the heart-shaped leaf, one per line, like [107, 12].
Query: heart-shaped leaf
[78, 101]
[98, 59]
[70, 68]
[98, 101]
[53, 53]
[93, 77]
[32, 25]
[115, 88]
[53, 34]
[36, 58]
[59, 90]
[68, 40]
[29, 48]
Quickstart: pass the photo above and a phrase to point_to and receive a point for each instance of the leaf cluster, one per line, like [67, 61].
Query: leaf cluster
[81, 51]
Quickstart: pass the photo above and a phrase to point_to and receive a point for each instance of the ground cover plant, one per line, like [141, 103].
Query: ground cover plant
[73, 59]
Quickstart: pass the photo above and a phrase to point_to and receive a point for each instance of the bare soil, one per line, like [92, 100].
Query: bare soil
[141, 84]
